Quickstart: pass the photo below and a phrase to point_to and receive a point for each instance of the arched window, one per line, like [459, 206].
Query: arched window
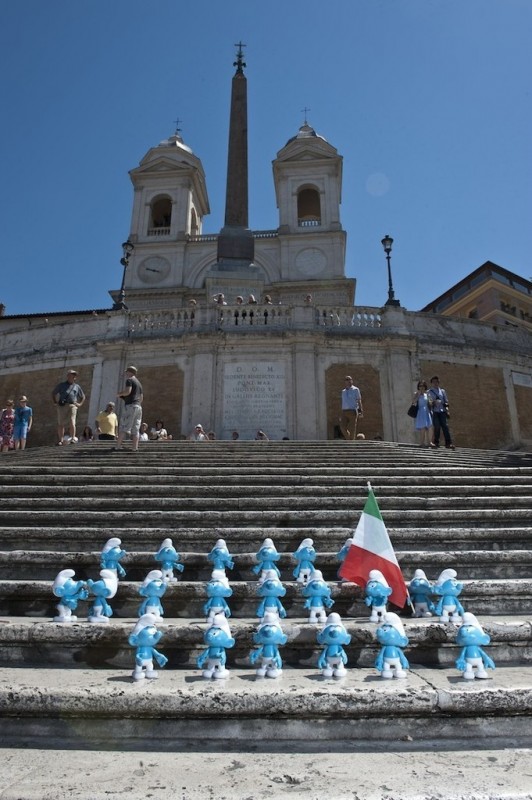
[160, 216]
[308, 208]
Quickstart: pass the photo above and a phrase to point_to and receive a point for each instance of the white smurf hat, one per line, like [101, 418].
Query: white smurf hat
[270, 575]
[166, 543]
[219, 575]
[153, 575]
[221, 621]
[376, 575]
[306, 543]
[392, 619]
[62, 577]
[316, 575]
[419, 575]
[268, 543]
[220, 543]
[334, 619]
[145, 622]
[446, 575]
[110, 543]
[470, 619]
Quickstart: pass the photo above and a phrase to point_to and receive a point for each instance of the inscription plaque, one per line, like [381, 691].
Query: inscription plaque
[254, 397]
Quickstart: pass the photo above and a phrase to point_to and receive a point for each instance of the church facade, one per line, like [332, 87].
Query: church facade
[206, 353]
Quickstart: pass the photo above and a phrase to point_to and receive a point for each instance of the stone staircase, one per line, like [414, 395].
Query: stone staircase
[71, 683]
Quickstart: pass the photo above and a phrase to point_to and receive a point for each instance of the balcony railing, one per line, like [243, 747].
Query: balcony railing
[159, 231]
[239, 319]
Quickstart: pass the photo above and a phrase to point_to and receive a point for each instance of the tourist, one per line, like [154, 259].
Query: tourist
[235, 436]
[308, 299]
[198, 434]
[211, 436]
[23, 423]
[159, 433]
[239, 300]
[260, 436]
[440, 413]
[68, 396]
[251, 300]
[219, 299]
[131, 417]
[267, 300]
[106, 423]
[87, 436]
[143, 434]
[351, 409]
[7, 422]
[423, 418]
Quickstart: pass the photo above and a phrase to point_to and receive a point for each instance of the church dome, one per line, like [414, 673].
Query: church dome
[175, 141]
[306, 132]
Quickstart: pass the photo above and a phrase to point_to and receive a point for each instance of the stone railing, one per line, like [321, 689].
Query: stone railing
[238, 318]
[159, 231]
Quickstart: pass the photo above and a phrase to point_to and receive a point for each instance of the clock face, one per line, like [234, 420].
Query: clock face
[154, 269]
[311, 261]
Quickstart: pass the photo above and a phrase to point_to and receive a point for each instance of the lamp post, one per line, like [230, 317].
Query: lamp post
[127, 249]
[387, 243]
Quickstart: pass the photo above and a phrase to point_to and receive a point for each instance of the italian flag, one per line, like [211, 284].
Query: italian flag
[372, 549]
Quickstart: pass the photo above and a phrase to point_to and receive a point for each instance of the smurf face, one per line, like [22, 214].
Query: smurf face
[376, 589]
[148, 636]
[315, 588]
[167, 553]
[420, 585]
[271, 588]
[218, 638]
[450, 587]
[306, 554]
[471, 635]
[218, 589]
[388, 635]
[268, 554]
[334, 634]
[155, 588]
[270, 634]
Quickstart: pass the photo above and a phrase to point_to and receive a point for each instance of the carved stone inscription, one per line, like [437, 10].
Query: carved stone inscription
[254, 397]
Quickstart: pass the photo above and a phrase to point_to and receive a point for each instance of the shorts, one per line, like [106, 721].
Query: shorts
[66, 414]
[130, 420]
[20, 431]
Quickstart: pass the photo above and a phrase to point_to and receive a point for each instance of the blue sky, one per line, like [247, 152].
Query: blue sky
[428, 101]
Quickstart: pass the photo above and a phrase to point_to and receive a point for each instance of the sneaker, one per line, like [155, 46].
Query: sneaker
[74, 440]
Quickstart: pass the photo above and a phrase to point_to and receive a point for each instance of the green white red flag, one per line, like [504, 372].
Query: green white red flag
[372, 549]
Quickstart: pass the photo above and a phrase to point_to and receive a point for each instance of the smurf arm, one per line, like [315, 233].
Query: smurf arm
[486, 660]
[255, 655]
[120, 570]
[257, 568]
[260, 608]
[322, 660]
[368, 601]
[159, 657]
[179, 567]
[379, 661]
[439, 607]
[201, 659]
[461, 660]
[308, 603]
[281, 609]
[328, 601]
[403, 659]
[459, 606]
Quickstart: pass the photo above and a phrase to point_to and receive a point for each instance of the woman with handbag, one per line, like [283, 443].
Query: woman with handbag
[423, 418]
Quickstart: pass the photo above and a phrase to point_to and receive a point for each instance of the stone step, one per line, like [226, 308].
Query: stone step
[108, 520]
[248, 539]
[187, 598]
[44, 565]
[81, 644]
[82, 708]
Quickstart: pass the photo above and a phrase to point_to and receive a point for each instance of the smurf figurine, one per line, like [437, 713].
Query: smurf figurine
[168, 557]
[342, 553]
[144, 637]
[152, 589]
[111, 555]
[305, 556]
[420, 590]
[333, 657]
[269, 636]
[100, 610]
[217, 590]
[318, 596]
[377, 594]
[266, 557]
[217, 638]
[472, 661]
[219, 557]
[271, 589]
[391, 661]
[70, 592]
[448, 608]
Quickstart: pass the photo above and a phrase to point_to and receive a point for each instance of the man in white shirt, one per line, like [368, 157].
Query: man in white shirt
[351, 409]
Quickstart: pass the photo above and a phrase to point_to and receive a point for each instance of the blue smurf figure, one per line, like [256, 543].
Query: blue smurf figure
[377, 593]
[448, 608]
[169, 559]
[266, 557]
[104, 589]
[342, 553]
[420, 591]
[305, 556]
[271, 589]
[333, 657]
[218, 639]
[153, 588]
[111, 555]
[69, 592]
[318, 596]
[219, 556]
[217, 590]
[144, 637]
[391, 661]
[472, 661]
[268, 636]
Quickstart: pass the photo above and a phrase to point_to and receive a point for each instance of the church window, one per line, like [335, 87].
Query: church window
[160, 216]
[308, 208]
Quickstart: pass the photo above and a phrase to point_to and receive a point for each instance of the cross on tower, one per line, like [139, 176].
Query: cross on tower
[177, 128]
[239, 63]
[305, 111]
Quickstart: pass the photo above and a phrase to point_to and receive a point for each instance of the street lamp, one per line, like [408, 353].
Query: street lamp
[387, 243]
[127, 249]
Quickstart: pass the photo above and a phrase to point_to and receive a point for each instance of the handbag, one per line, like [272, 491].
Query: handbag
[412, 411]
